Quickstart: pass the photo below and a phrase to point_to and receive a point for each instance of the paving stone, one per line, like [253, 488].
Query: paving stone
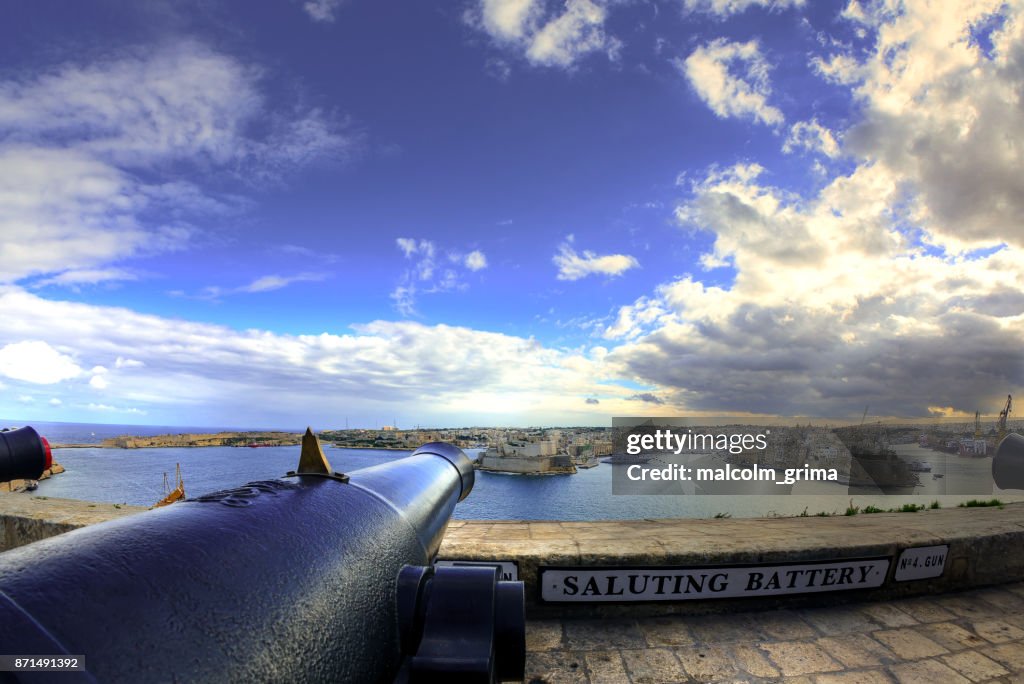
[971, 608]
[723, 629]
[653, 666]
[832, 621]
[599, 635]
[954, 637]
[1001, 599]
[939, 647]
[783, 625]
[888, 615]
[706, 663]
[1010, 655]
[543, 635]
[668, 631]
[975, 666]
[605, 667]
[997, 631]
[556, 667]
[908, 644]
[927, 671]
[752, 661]
[859, 677]
[925, 610]
[857, 650]
[800, 657]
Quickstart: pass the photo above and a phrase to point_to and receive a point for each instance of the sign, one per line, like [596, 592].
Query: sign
[923, 562]
[660, 583]
[509, 569]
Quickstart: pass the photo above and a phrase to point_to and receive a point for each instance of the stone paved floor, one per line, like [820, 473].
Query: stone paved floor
[973, 636]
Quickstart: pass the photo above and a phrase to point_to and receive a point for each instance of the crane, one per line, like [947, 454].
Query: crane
[1004, 415]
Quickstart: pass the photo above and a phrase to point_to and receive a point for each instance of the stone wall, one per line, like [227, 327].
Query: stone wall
[25, 518]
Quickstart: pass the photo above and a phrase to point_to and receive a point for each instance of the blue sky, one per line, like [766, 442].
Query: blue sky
[508, 211]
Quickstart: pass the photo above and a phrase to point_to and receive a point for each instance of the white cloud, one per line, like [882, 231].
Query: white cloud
[832, 307]
[554, 39]
[321, 10]
[425, 276]
[573, 266]
[725, 8]
[944, 115]
[122, 362]
[78, 140]
[711, 70]
[476, 260]
[36, 361]
[114, 409]
[812, 136]
[55, 402]
[436, 371]
[266, 283]
[99, 382]
[182, 101]
[276, 282]
[509, 19]
[61, 210]
[86, 276]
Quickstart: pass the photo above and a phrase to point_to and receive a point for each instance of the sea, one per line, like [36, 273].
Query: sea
[136, 476]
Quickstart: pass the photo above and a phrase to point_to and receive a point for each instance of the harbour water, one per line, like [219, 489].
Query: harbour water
[135, 476]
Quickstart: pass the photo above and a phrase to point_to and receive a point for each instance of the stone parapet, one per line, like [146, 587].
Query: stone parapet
[25, 519]
[986, 546]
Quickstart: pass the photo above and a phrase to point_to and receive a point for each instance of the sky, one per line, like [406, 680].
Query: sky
[509, 212]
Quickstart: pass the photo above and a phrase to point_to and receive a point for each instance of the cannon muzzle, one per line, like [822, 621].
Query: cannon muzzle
[1008, 463]
[24, 455]
[294, 579]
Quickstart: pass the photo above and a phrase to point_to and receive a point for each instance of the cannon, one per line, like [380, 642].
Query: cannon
[1008, 463]
[318, 576]
[24, 455]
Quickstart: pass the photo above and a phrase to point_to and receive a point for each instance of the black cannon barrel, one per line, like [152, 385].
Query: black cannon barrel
[1008, 463]
[23, 454]
[278, 580]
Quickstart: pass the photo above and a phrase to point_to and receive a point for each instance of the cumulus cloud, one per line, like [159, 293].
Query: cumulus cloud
[732, 78]
[476, 261]
[199, 368]
[36, 362]
[832, 307]
[943, 113]
[811, 136]
[573, 266]
[543, 37]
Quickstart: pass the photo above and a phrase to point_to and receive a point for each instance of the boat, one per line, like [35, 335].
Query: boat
[920, 467]
[172, 495]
